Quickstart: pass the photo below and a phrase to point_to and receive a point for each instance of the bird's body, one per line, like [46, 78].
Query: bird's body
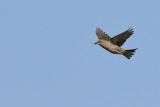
[111, 47]
[114, 44]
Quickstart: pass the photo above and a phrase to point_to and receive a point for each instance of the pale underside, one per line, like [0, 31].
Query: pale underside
[112, 48]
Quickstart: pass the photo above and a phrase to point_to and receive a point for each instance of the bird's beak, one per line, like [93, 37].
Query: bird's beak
[96, 42]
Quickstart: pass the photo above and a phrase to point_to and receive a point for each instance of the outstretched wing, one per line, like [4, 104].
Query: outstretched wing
[101, 35]
[121, 38]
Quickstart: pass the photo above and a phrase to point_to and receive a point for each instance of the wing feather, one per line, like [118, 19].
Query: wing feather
[102, 35]
[121, 38]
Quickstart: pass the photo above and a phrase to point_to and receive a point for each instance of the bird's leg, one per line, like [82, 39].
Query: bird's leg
[117, 51]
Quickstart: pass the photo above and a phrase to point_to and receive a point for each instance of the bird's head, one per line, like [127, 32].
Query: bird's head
[100, 42]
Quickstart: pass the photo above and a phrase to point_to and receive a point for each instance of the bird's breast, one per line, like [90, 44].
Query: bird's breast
[111, 47]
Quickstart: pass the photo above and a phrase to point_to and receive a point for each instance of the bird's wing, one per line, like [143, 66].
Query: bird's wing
[102, 35]
[121, 38]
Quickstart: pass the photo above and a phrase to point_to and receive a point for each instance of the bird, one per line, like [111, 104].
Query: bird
[114, 44]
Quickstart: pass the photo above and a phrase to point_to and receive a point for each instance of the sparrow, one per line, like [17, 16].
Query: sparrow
[114, 44]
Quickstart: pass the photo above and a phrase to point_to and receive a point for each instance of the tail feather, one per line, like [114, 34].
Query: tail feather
[128, 53]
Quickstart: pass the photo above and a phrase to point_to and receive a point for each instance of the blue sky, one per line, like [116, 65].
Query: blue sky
[47, 57]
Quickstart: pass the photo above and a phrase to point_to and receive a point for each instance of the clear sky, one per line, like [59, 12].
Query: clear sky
[47, 58]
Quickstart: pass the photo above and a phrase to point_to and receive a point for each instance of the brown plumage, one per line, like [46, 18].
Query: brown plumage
[114, 44]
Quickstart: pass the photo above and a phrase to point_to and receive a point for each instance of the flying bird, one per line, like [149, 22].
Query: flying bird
[114, 44]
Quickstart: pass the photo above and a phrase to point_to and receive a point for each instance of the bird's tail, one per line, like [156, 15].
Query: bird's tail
[128, 53]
